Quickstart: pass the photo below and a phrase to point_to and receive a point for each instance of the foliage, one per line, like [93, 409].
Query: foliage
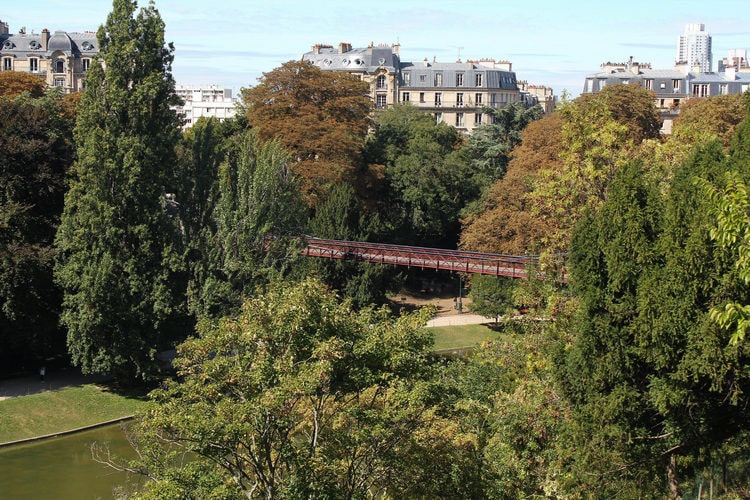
[491, 144]
[601, 133]
[428, 180]
[320, 117]
[116, 240]
[296, 396]
[35, 152]
[505, 223]
[15, 83]
[341, 217]
[651, 375]
[258, 215]
[491, 296]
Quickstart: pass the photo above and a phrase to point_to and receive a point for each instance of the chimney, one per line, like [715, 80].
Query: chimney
[396, 48]
[45, 38]
[344, 47]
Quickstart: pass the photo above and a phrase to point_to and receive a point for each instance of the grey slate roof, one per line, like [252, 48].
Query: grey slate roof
[367, 59]
[23, 45]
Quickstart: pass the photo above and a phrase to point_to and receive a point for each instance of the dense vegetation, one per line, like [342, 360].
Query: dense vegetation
[122, 237]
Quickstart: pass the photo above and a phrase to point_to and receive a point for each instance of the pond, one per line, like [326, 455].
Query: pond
[62, 467]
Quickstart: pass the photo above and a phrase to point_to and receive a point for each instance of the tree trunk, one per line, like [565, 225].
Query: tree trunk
[674, 487]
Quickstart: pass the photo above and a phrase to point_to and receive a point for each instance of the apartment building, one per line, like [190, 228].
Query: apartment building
[694, 47]
[211, 101]
[455, 93]
[61, 59]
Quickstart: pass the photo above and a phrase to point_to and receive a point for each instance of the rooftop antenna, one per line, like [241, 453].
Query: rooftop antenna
[459, 53]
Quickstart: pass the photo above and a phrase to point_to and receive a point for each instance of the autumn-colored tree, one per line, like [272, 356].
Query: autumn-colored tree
[505, 223]
[320, 117]
[15, 83]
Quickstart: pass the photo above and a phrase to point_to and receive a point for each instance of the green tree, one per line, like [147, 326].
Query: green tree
[35, 153]
[297, 396]
[428, 180]
[490, 145]
[259, 215]
[320, 117]
[116, 240]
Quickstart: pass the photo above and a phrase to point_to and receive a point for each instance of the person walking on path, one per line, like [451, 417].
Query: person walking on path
[42, 373]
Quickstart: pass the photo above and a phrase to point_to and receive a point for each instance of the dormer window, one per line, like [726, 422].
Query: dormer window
[8, 45]
[35, 45]
[87, 45]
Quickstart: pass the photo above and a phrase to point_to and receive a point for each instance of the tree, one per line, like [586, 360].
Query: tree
[491, 144]
[505, 222]
[428, 180]
[259, 216]
[15, 83]
[601, 133]
[320, 117]
[297, 396]
[35, 153]
[116, 241]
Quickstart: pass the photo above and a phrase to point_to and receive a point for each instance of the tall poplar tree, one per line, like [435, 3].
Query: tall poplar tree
[115, 238]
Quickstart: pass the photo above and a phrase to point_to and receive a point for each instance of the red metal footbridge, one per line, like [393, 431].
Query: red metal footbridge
[428, 258]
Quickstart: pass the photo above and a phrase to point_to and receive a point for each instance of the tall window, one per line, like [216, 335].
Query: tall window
[421, 97]
[675, 86]
[459, 99]
[33, 64]
[459, 79]
[59, 66]
[381, 83]
[478, 98]
[649, 83]
[7, 64]
[723, 89]
[380, 101]
[477, 118]
[405, 97]
[459, 119]
[438, 79]
[700, 90]
[438, 117]
[438, 99]
[478, 79]
[407, 79]
[85, 63]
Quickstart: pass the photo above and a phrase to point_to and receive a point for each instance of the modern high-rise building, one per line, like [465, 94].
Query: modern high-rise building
[694, 48]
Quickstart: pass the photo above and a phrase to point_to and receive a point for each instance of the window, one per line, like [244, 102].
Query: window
[438, 99]
[59, 66]
[478, 98]
[459, 119]
[438, 79]
[85, 64]
[421, 97]
[478, 79]
[675, 86]
[438, 117]
[422, 78]
[380, 101]
[7, 64]
[405, 97]
[648, 83]
[33, 64]
[700, 90]
[460, 99]
[477, 118]
[59, 82]
[459, 79]
[723, 89]
[381, 83]
[407, 79]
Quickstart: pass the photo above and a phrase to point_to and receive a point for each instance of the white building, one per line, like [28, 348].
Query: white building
[210, 101]
[694, 47]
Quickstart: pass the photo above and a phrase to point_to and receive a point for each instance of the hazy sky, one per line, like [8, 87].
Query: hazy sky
[231, 43]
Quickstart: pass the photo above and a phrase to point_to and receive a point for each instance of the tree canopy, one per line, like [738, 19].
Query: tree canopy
[116, 240]
[320, 117]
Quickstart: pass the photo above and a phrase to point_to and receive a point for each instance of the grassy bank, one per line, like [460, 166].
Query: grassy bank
[453, 337]
[65, 409]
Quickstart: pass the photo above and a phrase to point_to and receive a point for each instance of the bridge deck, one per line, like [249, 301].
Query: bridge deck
[429, 258]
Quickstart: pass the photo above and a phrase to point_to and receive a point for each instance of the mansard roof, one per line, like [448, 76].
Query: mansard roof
[367, 60]
[23, 44]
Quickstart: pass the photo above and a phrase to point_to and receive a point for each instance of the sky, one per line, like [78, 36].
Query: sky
[231, 43]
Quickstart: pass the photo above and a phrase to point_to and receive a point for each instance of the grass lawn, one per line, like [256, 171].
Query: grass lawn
[62, 410]
[452, 337]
